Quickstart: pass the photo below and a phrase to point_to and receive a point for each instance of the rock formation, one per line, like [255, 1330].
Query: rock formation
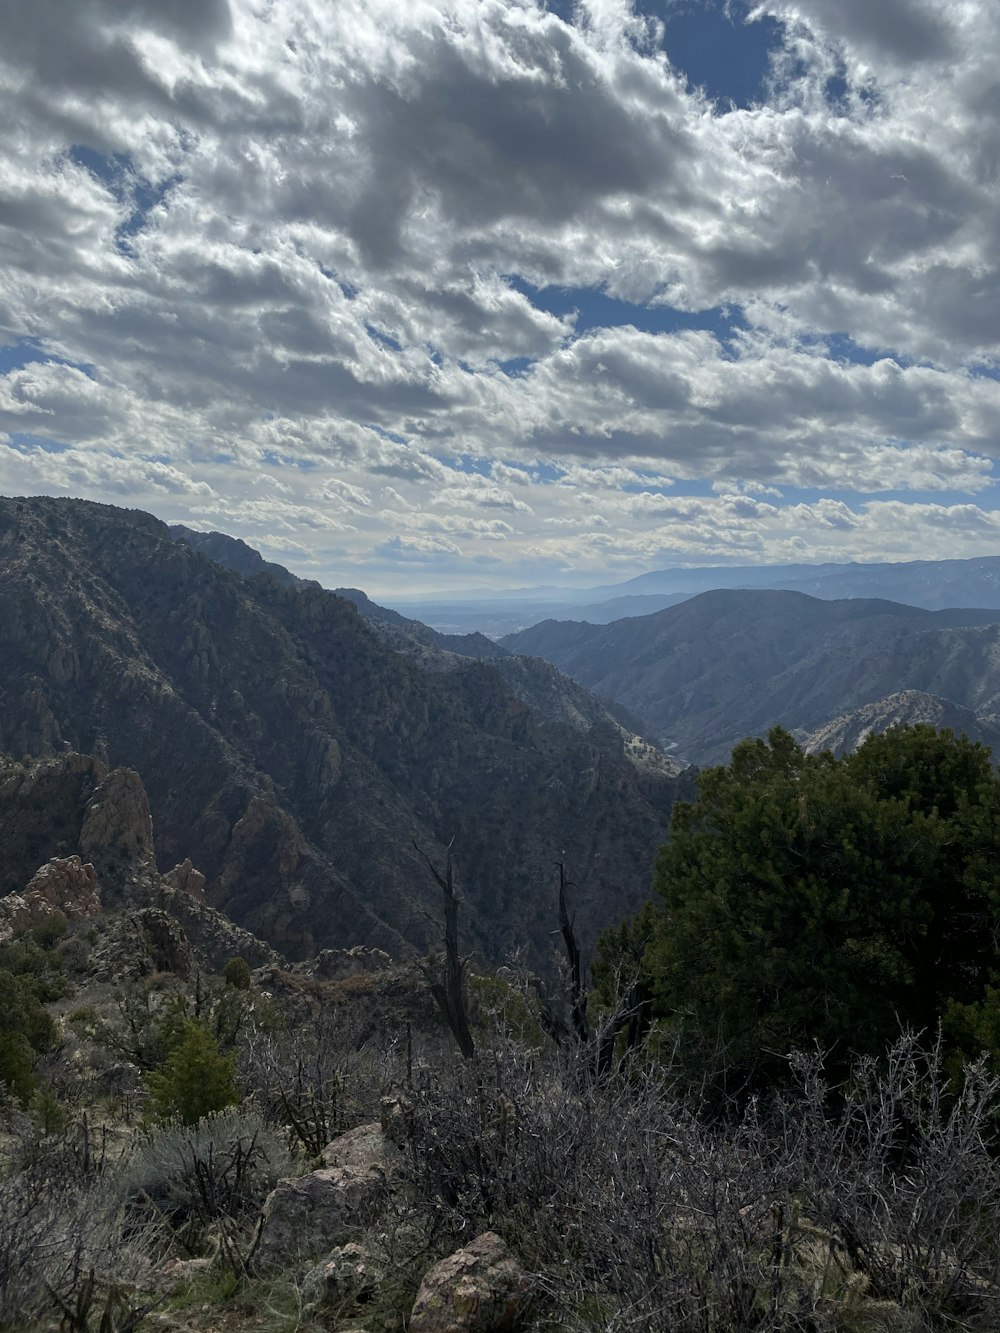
[309, 1215]
[64, 887]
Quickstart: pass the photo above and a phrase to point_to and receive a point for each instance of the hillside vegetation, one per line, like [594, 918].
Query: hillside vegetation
[772, 1105]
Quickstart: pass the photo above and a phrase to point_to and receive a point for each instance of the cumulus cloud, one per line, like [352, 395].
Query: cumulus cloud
[307, 269]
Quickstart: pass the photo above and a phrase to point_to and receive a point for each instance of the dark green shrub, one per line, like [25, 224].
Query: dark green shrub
[50, 931]
[195, 1079]
[237, 973]
[26, 1031]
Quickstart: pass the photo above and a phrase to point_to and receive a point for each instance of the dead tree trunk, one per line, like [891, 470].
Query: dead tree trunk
[626, 1014]
[577, 994]
[449, 990]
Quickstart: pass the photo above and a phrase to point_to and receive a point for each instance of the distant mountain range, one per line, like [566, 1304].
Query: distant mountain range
[728, 664]
[295, 757]
[932, 584]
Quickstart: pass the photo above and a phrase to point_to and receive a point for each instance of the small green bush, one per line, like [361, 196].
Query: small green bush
[195, 1079]
[237, 973]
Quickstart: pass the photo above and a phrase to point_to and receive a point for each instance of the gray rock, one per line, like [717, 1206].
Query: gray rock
[475, 1290]
[313, 1214]
[348, 1273]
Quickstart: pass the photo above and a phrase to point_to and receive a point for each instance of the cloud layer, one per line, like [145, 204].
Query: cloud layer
[321, 275]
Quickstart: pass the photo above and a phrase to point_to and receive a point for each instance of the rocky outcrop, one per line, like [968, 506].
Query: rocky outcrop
[139, 944]
[117, 831]
[905, 708]
[312, 1214]
[64, 887]
[478, 1289]
[341, 964]
[212, 937]
[73, 801]
[186, 879]
[41, 811]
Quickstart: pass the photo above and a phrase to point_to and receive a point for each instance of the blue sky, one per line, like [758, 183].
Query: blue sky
[411, 296]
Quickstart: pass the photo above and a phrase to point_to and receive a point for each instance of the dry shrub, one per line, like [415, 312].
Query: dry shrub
[875, 1205]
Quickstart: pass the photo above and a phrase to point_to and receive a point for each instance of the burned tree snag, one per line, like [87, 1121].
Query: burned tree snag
[577, 994]
[449, 990]
[626, 1014]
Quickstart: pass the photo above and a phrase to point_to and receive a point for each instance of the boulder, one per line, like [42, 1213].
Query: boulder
[475, 1290]
[311, 1215]
[176, 1275]
[348, 1273]
[362, 1149]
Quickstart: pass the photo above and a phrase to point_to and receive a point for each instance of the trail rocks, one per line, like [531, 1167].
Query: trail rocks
[475, 1290]
[312, 1214]
[347, 1273]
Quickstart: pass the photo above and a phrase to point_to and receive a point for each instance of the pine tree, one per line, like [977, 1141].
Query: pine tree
[195, 1079]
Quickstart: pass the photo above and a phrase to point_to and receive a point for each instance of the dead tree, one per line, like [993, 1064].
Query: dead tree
[449, 991]
[577, 994]
[625, 1015]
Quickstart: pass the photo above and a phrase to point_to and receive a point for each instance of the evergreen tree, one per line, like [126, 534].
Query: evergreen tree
[195, 1079]
[809, 899]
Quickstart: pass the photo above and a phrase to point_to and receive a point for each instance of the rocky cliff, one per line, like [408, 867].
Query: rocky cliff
[78, 844]
[293, 757]
[903, 709]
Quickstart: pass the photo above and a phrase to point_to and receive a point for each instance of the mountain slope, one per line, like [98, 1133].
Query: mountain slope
[727, 664]
[293, 757]
[905, 708]
[553, 696]
[398, 631]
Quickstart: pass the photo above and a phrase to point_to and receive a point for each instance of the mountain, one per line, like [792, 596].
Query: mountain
[295, 758]
[552, 695]
[727, 664]
[931, 584]
[234, 554]
[395, 629]
[903, 709]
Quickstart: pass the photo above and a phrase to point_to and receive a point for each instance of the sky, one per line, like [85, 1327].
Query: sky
[425, 294]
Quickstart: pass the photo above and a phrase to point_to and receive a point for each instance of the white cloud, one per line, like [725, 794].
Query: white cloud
[289, 259]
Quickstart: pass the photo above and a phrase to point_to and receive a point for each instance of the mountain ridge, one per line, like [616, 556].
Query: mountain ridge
[293, 757]
[731, 663]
